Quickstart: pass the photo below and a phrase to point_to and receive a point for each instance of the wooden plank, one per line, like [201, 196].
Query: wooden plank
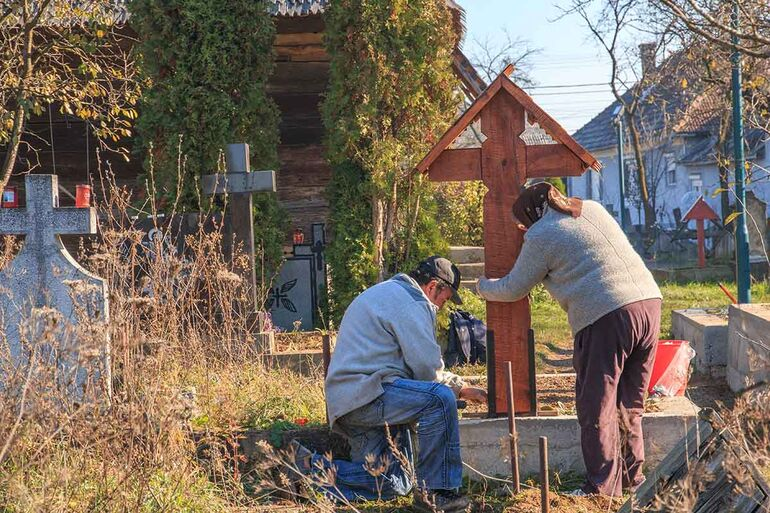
[298, 39]
[710, 456]
[456, 166]
[503, 171]
[299, 77]
[459, 125]
[286, 25]
[550, 124]
[302, 53]
[550, 160]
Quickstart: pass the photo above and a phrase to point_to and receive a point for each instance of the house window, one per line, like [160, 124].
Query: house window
[696, 182]
[670, 169]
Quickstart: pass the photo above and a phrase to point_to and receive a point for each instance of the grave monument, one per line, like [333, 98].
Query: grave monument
[44, 277]
[520, 141]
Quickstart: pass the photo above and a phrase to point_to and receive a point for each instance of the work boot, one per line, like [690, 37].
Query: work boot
[440, 501]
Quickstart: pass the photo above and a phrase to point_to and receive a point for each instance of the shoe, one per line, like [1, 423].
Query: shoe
[578, 493]
[440, 501]
[296, 469]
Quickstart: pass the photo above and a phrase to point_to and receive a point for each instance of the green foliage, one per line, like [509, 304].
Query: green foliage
[461, 212]
[208, 67]
[350, 255]
[391, 94]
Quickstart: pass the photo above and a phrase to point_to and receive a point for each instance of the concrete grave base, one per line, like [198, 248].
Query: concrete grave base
[706, 330]
[306, 363]
[485, 445]
[748, 356]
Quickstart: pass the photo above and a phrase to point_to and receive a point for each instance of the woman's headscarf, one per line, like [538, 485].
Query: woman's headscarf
[530, 205]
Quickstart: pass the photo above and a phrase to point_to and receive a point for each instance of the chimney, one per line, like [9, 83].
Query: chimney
[647, 54]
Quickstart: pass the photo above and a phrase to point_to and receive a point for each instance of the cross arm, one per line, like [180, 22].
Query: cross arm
[14, 221]
[233, 183]
[456, 165]
[550, 160]
[74, 221]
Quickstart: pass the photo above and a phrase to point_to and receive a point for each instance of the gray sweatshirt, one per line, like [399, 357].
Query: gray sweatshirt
[585, 263]
[387, 332]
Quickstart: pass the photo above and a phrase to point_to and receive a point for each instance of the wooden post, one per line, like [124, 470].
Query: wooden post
[491, 396]
[512, 433]
[701, 243]
[544, 492]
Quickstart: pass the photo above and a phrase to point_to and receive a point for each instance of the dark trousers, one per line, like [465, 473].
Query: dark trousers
[613, 359]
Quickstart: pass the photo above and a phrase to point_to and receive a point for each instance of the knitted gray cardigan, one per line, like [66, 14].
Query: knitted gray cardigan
[585, 263]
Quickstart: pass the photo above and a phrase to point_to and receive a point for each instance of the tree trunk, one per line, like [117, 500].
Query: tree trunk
[724, 170]
[378, 234]
[19, 114]
[641, 172]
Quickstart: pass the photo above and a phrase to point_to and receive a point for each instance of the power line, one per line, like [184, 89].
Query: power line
[563, 86]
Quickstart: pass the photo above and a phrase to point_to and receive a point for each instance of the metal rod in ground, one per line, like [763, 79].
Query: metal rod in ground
[512, 431]
[544, 492]
[326, 346]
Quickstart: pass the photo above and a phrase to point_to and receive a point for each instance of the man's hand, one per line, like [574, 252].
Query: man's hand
[473, 394]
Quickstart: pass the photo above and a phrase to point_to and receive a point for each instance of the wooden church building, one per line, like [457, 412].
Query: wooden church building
[297, 85]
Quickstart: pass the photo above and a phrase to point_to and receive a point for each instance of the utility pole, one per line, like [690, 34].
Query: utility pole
[618, 121]
[741, 232]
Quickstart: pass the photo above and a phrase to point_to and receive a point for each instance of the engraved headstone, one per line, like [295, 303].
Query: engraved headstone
[45, 281]
[294, 298]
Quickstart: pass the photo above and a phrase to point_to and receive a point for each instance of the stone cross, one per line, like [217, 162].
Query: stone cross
[240, 182]
[699, 212]
[520, 141]
[44, 274]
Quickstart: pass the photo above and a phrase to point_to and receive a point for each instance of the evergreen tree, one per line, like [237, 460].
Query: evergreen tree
[391, 94]
[207, 64]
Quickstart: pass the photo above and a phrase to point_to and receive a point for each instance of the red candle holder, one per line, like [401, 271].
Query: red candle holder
[10, 197]
[299, 236]
[83, 196]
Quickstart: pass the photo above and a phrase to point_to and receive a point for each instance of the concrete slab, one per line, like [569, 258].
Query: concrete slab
[706, 330]
[484, 442]
[748, 356]
[466, 254]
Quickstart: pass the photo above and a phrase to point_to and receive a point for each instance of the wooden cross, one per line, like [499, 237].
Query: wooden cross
[699, 212]
[240, 183]
[522, 142]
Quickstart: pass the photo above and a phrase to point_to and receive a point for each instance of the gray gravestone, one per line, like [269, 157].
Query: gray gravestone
[240, 183]
[44, 277]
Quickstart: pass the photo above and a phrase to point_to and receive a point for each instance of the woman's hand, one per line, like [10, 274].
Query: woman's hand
[473, 394]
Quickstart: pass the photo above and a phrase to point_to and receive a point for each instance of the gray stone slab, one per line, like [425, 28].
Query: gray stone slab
[484, 442]
[706, 330]
[44, 280]
[748, 356]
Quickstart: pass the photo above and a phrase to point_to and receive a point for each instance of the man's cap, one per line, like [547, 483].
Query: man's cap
[444, 270]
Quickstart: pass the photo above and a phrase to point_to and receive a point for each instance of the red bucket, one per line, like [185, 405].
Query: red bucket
[671, 369]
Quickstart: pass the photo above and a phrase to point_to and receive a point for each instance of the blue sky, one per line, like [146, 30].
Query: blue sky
[568, 54]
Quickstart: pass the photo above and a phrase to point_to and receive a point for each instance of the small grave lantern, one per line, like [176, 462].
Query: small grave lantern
[83, 196]
[299, 236]
[10, 197]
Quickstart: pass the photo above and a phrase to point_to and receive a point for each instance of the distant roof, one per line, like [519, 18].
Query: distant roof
[673, 99]
[297, 7]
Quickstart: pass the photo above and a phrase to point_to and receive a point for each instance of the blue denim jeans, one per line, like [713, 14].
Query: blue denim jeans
[374, 472]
